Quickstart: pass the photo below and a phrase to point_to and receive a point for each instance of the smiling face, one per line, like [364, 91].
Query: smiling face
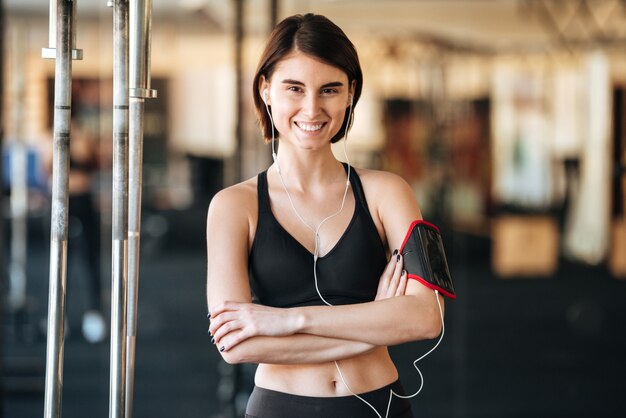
[308, 100]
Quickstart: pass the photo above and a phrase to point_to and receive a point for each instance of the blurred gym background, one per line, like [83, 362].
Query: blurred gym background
[506, 116]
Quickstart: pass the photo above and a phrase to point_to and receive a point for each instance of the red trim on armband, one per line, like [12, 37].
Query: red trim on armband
[413, 225]
[430, 285]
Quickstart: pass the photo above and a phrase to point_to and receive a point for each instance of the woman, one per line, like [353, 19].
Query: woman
[264, 238]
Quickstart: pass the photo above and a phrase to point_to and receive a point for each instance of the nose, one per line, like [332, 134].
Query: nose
[311, 106]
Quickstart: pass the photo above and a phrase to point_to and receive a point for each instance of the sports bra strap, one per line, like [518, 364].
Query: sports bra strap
[357, 188]
[263, 196]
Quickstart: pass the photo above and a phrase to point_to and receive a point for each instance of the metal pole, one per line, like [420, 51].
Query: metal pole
[119, 272]
[63, 52]
[239, 4]
[140, 37]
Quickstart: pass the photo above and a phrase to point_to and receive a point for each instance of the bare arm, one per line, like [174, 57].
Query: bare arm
[413, 316]
[294, 349]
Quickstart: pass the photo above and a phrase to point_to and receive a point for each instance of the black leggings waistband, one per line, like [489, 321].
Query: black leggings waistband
[266, 403]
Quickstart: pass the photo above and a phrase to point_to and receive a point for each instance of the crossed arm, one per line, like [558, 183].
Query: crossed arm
[245, 332]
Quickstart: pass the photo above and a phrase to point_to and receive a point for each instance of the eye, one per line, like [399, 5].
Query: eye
[295, 89]
[329, 91]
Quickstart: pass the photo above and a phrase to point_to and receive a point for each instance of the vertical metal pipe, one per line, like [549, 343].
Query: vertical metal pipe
[140, 41]
[59, 215]
[134, 227]
[238, 89]
[119, 272]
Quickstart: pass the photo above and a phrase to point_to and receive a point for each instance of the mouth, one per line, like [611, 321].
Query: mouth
[310, 127]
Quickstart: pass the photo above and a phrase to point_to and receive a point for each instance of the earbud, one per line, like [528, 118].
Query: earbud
[264, 95]
[351, 100]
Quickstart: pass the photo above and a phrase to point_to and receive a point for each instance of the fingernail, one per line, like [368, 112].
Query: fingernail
[208, 331]
[208, 315]
[395, 252]
[403, 272]
[222, 348]
[212, 340]
[398, 258]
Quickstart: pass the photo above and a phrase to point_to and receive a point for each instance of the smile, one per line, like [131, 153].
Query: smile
[309, 127]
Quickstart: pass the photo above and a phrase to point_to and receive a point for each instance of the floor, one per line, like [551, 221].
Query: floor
[513, 348]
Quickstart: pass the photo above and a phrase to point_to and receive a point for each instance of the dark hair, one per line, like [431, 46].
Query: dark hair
[314, 35]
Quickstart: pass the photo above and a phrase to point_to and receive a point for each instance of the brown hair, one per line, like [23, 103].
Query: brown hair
[314, 35]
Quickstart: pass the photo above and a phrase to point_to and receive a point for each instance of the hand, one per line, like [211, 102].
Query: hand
[234, 322]
[393, 280]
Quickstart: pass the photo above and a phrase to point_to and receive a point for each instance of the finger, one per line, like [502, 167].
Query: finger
[224, 307]
[220, 320]
[224, 312]
[399, 263]
[383, 283]
[216, 310]
[226, 329]
[239, 332]
[390, 264]
[214, 324]
[395, 279]
[402, 285]
[232, 340]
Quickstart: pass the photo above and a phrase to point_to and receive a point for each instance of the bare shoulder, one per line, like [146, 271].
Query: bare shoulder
[384, 185]
[391, 201]
[236, 201]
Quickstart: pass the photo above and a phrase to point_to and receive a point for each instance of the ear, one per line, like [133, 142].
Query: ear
[351, 93]
[264, 87]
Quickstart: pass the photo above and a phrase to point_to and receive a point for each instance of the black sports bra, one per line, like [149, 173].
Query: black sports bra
[281, 268]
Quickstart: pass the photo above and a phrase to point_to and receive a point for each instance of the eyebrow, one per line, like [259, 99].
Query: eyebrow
[300, 83]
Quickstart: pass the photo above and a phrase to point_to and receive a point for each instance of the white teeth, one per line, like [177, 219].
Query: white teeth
[309, 128]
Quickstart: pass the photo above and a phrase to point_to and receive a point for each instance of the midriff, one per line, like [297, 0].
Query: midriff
[363, 373]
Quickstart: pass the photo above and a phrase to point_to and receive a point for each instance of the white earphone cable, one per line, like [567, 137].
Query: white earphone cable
[391, 392]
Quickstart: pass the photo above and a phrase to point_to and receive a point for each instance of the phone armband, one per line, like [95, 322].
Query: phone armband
[425, 259]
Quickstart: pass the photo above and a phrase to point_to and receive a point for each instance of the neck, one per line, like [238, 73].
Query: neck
[313, 176]
[306, 169]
